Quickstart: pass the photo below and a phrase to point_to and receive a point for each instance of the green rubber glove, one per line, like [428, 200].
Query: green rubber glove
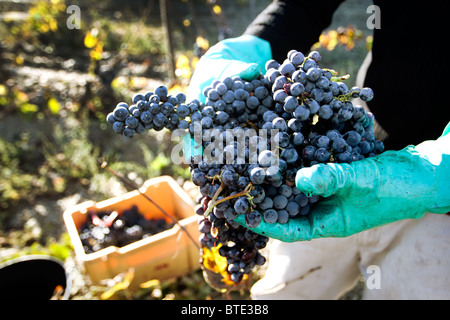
[190, 147]
[244, 56]
[372, 192]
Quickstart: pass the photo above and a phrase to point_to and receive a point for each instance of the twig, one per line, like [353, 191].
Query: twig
[104, 165]
[212, 202]
[215, 202]
[236, 195]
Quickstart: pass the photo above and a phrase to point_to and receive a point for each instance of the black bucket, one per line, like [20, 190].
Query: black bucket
[34, 277]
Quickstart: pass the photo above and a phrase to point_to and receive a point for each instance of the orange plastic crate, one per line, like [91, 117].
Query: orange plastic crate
[170, 253]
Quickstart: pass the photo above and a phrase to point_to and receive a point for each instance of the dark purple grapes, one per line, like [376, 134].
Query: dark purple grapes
[110, 228]
[262, 132]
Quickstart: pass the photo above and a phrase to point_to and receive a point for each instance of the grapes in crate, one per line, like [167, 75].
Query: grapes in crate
[255, 135]
[109, 228]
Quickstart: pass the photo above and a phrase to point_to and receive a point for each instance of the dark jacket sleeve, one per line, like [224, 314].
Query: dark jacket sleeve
[295, 24]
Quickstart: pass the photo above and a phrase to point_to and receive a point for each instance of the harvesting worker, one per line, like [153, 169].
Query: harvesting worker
[383, 216]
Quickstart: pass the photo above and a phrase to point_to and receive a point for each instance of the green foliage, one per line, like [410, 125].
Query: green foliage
[60, 249]
[46, 24]
[135, 37]
[15, 183]
[70, 153]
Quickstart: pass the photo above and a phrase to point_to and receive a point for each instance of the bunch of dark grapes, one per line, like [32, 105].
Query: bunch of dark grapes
[107, 228]
[150, 111]
[255, 136]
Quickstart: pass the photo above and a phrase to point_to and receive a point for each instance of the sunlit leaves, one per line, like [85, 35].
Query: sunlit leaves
[183, 67]
[53, 105]
[217, 9]
[202, 43]
[123, 282]
[43, 16]
[91, 38]
[342, 36]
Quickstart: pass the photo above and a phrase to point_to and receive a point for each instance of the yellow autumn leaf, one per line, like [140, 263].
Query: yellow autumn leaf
[213, 261]
[110, 292]
[129, 276]
[369, 43]
[332, 44]
[96, 55]
[22, 96]
[138, 82]
[3, 90]
[120, 82]
[90, 39]
[54, 106]
[217, 9]
[175, 89]
[350, 45]
[182, 61]
[202, 42]
[323, 40]
[53, 25]
[183, 68]
[333, 40]
[122, 285]
[150, 284]
[350, 31]
[44, 28]
[29, 108]
[19, 60]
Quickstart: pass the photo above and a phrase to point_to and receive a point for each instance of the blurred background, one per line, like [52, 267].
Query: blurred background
[57, 84]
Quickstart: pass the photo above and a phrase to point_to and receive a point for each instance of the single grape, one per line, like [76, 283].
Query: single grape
[366, 94]
[118, 126]
[253, 219]
[120, 113]
[270, 216]
[241, 206]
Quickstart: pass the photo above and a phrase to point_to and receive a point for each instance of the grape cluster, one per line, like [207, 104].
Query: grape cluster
[324, 124]
[107, 228]
[150, 111]
[255, 136]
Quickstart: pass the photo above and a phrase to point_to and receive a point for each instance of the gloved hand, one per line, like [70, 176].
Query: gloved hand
[372, 192]
[244, 56]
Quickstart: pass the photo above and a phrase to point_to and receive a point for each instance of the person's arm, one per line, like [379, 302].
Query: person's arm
[282, 26]
[293, 24]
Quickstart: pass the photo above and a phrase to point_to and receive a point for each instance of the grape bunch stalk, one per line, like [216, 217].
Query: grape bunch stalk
[255, 136]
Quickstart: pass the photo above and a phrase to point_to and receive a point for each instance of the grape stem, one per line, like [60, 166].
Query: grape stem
[212, 202]
[339, 78]
[345, 97]
[217, 176]
[251, 124]
[332, 71]
[215, 202]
